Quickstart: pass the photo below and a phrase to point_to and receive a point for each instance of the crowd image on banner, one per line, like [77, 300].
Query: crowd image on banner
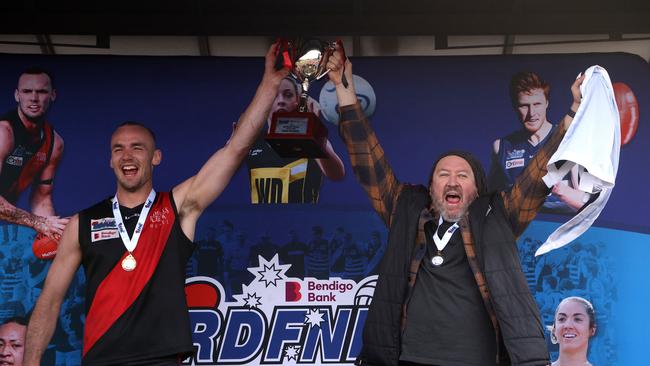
[225, 252]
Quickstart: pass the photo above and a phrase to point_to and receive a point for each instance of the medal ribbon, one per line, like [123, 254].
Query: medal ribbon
[442, 243]
[131, 243]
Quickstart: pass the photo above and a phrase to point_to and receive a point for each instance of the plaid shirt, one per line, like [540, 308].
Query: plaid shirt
[375, 175]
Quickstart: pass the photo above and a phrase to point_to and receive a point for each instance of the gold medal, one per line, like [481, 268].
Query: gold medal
[129, 263]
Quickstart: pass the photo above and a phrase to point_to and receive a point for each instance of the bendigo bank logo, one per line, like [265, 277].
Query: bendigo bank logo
[278, 320]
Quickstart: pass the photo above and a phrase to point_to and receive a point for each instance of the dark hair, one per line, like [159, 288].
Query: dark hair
[137, 124]
[36, 70]
[20, 320]
[474, 163]
[525, 82]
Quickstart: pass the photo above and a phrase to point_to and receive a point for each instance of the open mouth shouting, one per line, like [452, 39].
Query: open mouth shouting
[453, 197]
[129, 170]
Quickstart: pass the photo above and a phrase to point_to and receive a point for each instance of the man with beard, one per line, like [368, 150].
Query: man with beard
[30, 151]
[450, 289]
[134, 247]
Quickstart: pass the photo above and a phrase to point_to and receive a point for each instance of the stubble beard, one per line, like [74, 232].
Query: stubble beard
[37, 120]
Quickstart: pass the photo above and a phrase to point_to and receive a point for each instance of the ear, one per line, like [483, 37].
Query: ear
[553, 336]
[53, 95]
[593, 331]
[16, 95]
[157, 157]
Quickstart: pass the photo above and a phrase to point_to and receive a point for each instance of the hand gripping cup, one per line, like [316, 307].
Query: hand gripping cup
[300, 133]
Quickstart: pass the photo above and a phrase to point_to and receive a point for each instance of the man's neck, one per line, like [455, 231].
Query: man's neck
[540, 134]
[135, 198]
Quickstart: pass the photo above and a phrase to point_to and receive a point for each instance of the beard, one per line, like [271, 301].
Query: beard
[439, 205]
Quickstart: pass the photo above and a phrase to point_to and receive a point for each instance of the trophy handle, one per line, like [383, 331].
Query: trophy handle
[284, 54]
[329, 52]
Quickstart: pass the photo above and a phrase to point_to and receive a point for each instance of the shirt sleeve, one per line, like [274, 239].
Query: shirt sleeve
[529, 192]
[369, 162]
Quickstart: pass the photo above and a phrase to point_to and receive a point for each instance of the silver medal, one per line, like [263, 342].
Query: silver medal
[437, 260]
[441, 243]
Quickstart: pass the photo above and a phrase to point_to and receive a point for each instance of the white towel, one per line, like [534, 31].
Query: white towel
[593, 142]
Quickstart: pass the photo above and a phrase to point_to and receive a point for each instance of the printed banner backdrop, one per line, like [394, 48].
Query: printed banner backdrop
[291, 283]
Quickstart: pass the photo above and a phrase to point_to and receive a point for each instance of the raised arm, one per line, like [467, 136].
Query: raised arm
[529, 192]
[40, 220]
[196, 193]
[46, 312]
[332, 166]
[366, 154]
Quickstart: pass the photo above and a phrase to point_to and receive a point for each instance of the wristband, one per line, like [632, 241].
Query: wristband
[571, 113]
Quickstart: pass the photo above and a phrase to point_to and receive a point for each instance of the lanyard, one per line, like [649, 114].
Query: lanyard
[131, 243]
[442, 243]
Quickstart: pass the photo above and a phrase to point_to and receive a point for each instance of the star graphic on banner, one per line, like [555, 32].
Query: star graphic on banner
[252, 300]
[249, 297]
[314, 318]
[269, 272]
[292, 352]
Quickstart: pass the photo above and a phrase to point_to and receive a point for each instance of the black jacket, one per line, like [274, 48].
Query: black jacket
[516, 311]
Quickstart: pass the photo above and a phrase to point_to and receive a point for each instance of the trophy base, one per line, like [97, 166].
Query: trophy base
[297, 135]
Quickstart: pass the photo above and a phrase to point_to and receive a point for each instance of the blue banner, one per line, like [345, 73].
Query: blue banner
[291, 283]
